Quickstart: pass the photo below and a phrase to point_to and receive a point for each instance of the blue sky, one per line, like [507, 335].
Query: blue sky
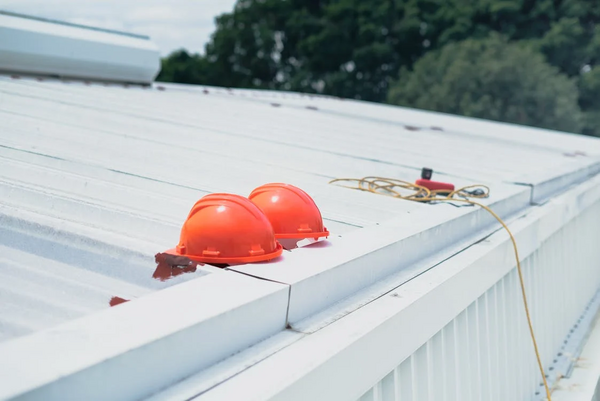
[171, 25]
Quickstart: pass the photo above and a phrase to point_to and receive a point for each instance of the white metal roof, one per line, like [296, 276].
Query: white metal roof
[96, 178]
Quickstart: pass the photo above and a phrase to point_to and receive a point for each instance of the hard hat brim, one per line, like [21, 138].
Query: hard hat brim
[236, 260]
[302, 235]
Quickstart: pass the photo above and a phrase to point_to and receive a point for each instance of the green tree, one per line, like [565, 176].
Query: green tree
[345, 48]
[183, 68]
[491, 79]
[243, 51]
[589, 100]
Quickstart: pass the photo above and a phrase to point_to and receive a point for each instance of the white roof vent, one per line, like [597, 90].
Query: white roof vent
[37, 46]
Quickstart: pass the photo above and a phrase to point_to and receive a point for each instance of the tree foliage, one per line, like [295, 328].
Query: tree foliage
[184, 68]
[589, 100]
[491, 79]
[356, 49]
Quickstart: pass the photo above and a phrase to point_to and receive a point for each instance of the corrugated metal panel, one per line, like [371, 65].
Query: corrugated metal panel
[485, 353]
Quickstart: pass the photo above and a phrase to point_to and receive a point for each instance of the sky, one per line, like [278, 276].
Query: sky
[171, 25]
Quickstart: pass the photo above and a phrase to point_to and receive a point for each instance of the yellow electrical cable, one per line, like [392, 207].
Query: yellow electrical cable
[387, 187]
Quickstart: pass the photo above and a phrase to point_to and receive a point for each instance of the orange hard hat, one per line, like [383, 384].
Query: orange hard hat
[291, 211]
[226, 229]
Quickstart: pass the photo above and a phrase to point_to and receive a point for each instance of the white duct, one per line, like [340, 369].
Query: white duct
[37, 46]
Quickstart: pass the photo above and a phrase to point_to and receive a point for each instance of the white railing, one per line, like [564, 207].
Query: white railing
[485, 353]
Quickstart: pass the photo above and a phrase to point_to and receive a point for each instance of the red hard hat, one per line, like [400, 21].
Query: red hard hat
[225, 228]
[291, 211]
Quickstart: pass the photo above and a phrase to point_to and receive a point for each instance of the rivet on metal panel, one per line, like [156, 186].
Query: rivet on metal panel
[436, 128]
[412, 128]
[312, 107]
[160, 88]
[275, 104]
[15, 77]
[205, 91]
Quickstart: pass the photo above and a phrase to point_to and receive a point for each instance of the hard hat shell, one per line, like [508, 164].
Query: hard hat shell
[227, 228]
[291, 211]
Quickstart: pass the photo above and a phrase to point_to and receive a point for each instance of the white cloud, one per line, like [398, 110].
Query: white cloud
[155, 13]
[180, 24]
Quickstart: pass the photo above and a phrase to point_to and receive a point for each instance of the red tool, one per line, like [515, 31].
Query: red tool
[425, 181]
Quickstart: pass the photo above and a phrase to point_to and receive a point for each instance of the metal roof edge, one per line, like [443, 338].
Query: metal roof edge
[560, 211]
[550, 187]
[127, 345]
[359, 259]
[462, 278]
